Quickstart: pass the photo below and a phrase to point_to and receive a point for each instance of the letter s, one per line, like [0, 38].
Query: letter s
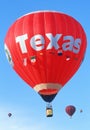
[76, 46]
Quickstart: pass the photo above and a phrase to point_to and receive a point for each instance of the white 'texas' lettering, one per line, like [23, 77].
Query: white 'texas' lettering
[37, 42]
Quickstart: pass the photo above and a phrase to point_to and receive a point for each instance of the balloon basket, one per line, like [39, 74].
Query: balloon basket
[49, 111]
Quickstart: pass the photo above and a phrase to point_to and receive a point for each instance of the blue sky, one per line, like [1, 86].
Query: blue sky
[26, 106]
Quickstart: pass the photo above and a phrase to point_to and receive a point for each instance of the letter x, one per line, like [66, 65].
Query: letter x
[53, 40]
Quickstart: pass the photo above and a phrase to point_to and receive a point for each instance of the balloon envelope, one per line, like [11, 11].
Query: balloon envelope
[45, 48]
[70, 110]
[81, 110]
[9, 114]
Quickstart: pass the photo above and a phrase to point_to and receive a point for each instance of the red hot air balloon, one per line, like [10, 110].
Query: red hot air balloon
[70, 110]
[45, 48]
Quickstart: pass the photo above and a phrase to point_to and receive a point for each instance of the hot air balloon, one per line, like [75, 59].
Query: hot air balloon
[81, 110]
[9, 114]
[70, 110]
[46, 48]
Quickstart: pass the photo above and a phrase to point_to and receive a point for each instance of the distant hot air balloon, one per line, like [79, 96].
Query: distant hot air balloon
[81, 110]
[46, 48]
[9, 114]
[70, 110]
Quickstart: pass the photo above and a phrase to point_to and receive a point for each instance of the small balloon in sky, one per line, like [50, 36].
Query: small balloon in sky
[70, 110]
[9, 114]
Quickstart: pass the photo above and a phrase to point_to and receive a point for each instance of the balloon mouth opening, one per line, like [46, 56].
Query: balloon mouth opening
[48, 91]
[47, 88]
